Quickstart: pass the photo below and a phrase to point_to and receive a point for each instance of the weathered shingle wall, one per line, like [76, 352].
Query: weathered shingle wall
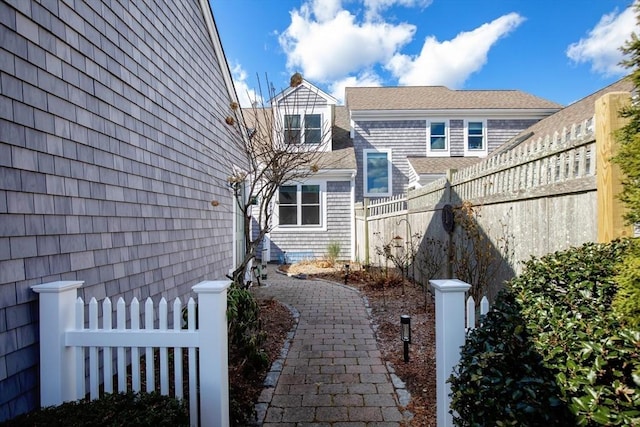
[409, 138]
[111, 150]
[314, 241]
[403, 137]
[500, 131]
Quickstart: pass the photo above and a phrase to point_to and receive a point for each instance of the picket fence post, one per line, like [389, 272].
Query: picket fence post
[60, 309]
[213, 358]
[450, 336]
[57, 362]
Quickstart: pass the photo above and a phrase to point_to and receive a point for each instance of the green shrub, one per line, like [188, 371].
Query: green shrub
[562, 308]
[566, 301]
[245, 330]
[626, 302]
[139, 409]
[501, 380]
[333, 252]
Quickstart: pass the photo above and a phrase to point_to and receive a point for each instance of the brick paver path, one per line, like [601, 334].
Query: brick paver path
[333, 374]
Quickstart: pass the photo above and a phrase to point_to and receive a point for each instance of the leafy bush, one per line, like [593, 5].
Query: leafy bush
[626, 303]
[501, 380]
[140, 409]
[566, 300]
[562, 306]
[245, 330]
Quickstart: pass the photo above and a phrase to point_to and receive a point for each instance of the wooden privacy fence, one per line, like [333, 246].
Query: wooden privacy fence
[64, 342]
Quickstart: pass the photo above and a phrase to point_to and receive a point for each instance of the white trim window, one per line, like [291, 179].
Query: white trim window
[475, 137]
[294, 125]
[301, 205]
[438, 138]
[377, 173]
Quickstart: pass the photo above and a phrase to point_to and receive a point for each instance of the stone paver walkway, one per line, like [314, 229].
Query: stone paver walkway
[333, 373]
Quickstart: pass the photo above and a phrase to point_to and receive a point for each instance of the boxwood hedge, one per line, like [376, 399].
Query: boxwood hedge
[570, 348]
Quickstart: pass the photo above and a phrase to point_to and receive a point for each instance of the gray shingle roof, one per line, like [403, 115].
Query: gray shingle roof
[424, 165]
[575, 113]
[440, 98]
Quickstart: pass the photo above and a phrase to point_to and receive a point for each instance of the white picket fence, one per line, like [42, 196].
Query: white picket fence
[65, 342]
[471, 311]
[455, 317]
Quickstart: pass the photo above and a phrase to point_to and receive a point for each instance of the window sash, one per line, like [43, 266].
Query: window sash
[292, 130]
[377, 178]
[438, 136]
[475, 136]
[300, 205]
[312, 128]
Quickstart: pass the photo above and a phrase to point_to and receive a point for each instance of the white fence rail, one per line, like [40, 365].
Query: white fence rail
[64, 341]
[387, 206]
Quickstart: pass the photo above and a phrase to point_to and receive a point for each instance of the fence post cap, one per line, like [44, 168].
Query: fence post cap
[211, 286]
[57, 287]
[449, 285]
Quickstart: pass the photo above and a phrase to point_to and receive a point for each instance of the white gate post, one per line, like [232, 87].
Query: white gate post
[213, 359]
[57, 362]
[450, 336]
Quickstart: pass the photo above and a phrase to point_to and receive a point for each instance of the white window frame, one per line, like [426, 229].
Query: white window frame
[475, 152]
[299, 226]
[447, 140]
[365, 187]
[303, 129]
[285, 128]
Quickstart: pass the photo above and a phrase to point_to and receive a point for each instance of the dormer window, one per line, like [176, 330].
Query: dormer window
[311, 123]
[292, 128]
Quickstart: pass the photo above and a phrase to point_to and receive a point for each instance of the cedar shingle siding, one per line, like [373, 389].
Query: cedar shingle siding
[408, 138]
[316, 242]
[110, 153]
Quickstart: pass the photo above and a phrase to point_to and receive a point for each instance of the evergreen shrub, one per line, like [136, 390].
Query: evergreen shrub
[118, 409]
[560, 312]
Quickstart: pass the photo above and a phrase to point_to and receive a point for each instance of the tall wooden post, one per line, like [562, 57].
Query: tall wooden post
[367, 261]
[611, 224]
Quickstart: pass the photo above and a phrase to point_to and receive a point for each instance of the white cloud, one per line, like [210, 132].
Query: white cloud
[367, 78]
[601, 46]
[246, 95]
[374, 7]
[451, 62]
[325, 10]
[325, 42]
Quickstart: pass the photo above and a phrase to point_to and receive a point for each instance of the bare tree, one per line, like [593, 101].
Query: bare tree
[277, 152]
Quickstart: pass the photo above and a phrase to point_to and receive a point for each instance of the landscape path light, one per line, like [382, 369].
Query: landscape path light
[263, 262]
[405, 334]
[346, 274]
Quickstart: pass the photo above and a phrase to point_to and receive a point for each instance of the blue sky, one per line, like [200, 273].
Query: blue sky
[561, 50]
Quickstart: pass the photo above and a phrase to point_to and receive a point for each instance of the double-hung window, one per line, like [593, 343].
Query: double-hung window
[292, 128]
[377, 173]
[475, 137]
[438, 138]
[294, 125]
[312, 128]
[300, 205]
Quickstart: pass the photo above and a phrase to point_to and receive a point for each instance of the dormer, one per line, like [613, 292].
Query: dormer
[305, 116]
